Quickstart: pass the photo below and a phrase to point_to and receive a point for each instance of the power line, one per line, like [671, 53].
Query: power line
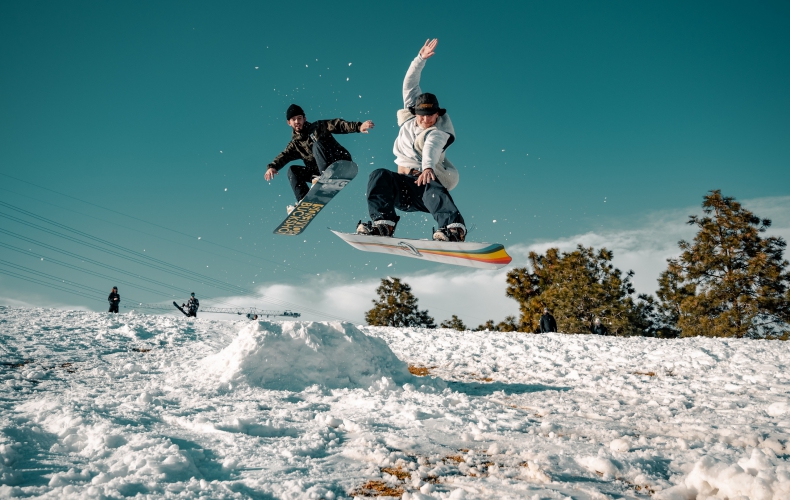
[115, 223]
[91, 261]
[81, 269]
[192, 237]
[49, 285]
[177, 270]
[155, 263]
[212, 281]
[83, 258]
[222, 310]
[58, 281]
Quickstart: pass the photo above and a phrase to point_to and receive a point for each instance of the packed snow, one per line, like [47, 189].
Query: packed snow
[96, 405]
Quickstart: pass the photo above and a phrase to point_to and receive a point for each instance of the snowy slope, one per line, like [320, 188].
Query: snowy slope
[95, 405]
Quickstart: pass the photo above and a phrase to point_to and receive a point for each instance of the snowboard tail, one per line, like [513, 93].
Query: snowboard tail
[180, 309]
[332, 180]
[456, 253]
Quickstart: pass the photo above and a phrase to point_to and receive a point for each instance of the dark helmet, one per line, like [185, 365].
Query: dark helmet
[192, 294]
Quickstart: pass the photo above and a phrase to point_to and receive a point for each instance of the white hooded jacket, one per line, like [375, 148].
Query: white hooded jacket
[418, 148]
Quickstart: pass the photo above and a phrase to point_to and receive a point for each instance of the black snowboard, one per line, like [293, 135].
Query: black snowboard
[179, 308]
[332, 180]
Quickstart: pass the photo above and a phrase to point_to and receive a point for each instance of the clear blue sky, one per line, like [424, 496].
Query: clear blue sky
[169, 112]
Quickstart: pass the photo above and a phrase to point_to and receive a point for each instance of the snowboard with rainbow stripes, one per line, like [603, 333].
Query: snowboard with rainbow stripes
[456, 253]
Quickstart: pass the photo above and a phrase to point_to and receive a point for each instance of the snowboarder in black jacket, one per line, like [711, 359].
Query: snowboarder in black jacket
[192, 305]
[114, 299]
[315, 145]
[547, 322]
[598, 329]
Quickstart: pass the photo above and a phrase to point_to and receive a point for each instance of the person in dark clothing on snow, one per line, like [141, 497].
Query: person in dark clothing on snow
[192, 305]
[425, 176]
[315, 145]
[598, 328]
[114, 299]
[547, 322]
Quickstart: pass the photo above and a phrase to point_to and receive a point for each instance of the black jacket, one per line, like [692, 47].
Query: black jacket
[548, 323]
[193, 304]
[301, 145]
[114, 298]
[599, 329]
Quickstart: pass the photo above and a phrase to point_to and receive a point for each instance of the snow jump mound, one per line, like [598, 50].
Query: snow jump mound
[293, 355]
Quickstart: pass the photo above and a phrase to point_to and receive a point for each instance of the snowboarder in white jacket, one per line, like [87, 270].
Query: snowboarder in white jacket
[425, 176]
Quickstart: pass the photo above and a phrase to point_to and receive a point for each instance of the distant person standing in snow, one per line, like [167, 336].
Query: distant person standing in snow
[425, 176]
[547, 322]
[315, 145]
[114, 299]
[192, 305]
[598, 328]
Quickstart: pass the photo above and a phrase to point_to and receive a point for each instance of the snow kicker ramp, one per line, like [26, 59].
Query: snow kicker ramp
[295, 355]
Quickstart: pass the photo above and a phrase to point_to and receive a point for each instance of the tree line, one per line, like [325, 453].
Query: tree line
[730, 281]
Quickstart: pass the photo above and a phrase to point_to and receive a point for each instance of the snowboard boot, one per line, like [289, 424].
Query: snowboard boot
[453, 232]
[377, 228]
[290, 208]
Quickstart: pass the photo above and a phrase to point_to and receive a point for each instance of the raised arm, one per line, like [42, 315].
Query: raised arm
[411, 84]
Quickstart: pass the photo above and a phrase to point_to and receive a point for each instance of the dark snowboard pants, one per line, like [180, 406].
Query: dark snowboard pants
[299, 176]
[388, 190]
[113, 307]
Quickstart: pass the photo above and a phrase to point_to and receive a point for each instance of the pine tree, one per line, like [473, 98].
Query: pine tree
[671, 294]
[578, 287]
[397, 306]
[487, 326]
[455, 323]
[730, 282]
[508, 325]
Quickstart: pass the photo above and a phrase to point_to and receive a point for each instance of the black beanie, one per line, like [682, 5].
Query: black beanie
[293, 110]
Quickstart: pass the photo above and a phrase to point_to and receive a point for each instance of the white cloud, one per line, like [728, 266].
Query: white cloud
[8, 301]
[476, 296]
[38, 302]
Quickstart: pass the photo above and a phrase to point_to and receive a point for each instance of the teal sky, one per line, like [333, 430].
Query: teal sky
[570, 117]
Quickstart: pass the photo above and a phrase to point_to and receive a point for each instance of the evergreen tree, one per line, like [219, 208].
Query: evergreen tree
[487, 326]
[730, 281]
[671, 294]
[508, 325]
[578, 287]
[455, 323]
[397, 306]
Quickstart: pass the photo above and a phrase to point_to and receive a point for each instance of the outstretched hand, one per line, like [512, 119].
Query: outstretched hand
[363, 129]
[429, 48]
[425, 177]
[269, 175]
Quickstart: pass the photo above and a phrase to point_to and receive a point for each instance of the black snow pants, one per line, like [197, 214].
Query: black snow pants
[388, 190]
[113, 307]
[300, 176]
